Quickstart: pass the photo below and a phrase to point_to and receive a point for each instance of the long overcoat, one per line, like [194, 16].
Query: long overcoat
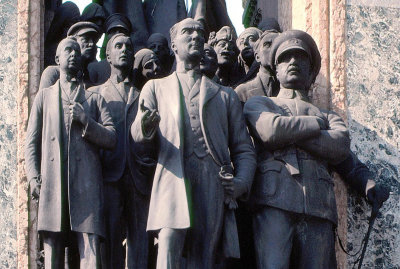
[44, 156]
[225, 133]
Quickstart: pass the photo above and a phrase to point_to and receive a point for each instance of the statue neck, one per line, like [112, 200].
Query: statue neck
[183, 66]
[119, 74]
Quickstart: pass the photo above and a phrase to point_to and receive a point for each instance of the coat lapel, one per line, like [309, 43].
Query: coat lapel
[82, 95]
[55, 104]
[133, 95]
[173, 95]
[208, 90]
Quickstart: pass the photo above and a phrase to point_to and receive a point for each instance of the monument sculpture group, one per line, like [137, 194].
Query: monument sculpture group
[145, 158]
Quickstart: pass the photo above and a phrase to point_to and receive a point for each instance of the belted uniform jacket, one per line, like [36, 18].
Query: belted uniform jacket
[225, 133]
[44, 156]
[294, 153]
[126, 154]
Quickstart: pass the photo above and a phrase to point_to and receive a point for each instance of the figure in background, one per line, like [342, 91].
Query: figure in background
[127, 180]
[161, 15]
[246, 59]
[293, 196]
[209, 61]
[134, 11]
[212, 13]
[67, 127]
[65, 16]
[99, 72]
[94, 13]
[159, 44]
[201, 132]
[269, 24]
[265, 83]
[87, 34]
[224, 45]
[145, 67]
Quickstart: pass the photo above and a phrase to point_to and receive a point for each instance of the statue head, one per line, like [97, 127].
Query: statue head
[246, 42]
[117, 23]
[296, 59]
[119, 52]
[209, 61]
[147, 64]
[68, 56]
[262, 48]
[187, 40]
[87, 34]
[158, 43]
[224, 44]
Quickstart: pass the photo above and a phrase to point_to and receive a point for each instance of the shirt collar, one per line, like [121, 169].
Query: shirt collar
[293, 94]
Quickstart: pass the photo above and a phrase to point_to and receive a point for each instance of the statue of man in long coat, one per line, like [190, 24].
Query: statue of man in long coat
[200, 129]
[67, 127]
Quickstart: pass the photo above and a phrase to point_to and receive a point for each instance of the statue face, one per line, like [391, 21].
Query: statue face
[293, 69]
[87, 42]
[225, 52]
[121, 53]
[69, 57]
[159, 49]
[246, 44]
[209, 62]
[152, 68]
[188, 44]
[264, 48]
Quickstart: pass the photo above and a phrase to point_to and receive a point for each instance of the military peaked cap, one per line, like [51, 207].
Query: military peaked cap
[296, 40]
[118, 20]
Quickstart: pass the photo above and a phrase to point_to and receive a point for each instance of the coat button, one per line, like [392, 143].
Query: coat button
[52, 159]
[53, 138]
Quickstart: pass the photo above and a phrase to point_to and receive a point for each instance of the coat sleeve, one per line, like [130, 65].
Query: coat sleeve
[33, 142]
[148, 96]
[241, 149]
[101, 131]
[332, 144]
[354, 172]
[274, 130]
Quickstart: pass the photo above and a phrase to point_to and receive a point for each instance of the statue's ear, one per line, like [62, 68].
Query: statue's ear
[57, 60]
[257, 57]
[173, 47]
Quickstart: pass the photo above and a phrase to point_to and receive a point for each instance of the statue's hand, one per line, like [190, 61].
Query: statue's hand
[233, 187]
[78, 113]
[150, 118]
[322, 123]
[35, 185]
[376, 194]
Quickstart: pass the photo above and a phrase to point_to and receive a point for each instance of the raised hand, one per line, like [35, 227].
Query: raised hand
[150, 118]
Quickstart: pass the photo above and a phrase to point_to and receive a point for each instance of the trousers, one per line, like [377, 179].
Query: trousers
[54, 244]
[289, 240]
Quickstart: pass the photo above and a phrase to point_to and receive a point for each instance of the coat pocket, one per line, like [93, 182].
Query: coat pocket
[269, 174]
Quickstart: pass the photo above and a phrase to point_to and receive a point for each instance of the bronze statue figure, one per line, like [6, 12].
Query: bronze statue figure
[67, 127]
[188, 194]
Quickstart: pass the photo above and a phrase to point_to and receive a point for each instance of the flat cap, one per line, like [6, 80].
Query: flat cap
[118, 20]
[84, 27]
[296, 40]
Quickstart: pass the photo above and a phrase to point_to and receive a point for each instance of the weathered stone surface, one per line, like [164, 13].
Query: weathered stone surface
[8, 134]
[373, 99]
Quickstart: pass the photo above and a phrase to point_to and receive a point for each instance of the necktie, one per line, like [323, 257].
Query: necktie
[191, 78]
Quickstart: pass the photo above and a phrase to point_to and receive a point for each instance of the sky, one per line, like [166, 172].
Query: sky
[235, 11]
